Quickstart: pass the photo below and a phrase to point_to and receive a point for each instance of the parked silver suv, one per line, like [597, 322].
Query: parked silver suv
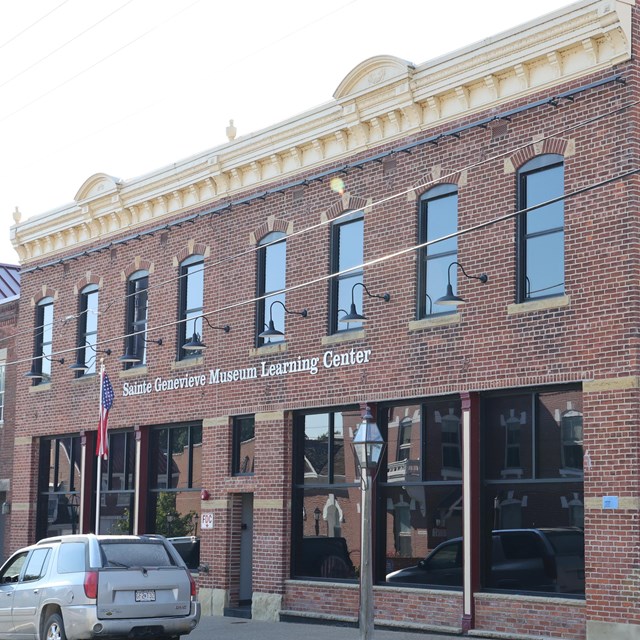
[87, 586]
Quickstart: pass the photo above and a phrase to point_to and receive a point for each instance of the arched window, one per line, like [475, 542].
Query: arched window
[43, 341]
[272, 269]
[88, 329]
[191, 302]
[136, 325]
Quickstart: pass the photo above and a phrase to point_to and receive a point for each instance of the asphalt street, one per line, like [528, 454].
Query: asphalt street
[226, 628]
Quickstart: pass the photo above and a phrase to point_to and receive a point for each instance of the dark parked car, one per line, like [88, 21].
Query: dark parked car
[549, 560]
[324, 557]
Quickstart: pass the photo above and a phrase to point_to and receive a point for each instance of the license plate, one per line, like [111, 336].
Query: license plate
[148, 595]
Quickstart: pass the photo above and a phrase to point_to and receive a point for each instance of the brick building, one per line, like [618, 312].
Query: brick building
[9, 302]
[215, 293]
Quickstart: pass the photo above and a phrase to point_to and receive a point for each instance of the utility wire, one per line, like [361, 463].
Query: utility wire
[368, 263]
[318, 225]
[33, 24]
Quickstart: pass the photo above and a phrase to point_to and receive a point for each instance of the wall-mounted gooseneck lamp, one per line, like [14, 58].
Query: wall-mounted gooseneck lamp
[271, 331]
[450, 298]
[195, 343]
[84, 364]
[132, 357]
[34, 374]
[353, 315]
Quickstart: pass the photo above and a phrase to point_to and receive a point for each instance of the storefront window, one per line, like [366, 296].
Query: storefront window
[59, 484]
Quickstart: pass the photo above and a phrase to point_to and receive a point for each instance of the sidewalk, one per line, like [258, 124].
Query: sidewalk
[225, 628]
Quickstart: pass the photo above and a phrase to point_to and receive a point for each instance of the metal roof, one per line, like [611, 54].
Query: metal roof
[9, 281]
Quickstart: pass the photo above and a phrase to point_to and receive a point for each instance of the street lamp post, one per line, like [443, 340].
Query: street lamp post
[368, 447]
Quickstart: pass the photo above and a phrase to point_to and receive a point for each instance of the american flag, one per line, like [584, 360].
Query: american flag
[106, 400]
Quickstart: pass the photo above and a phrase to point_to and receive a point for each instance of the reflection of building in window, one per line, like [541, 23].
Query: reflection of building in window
[570, 423]
[450, 438]
[508, 511]
[404, 439]
[513, 434]
[575, 505]
[333, 516]
[402, 529]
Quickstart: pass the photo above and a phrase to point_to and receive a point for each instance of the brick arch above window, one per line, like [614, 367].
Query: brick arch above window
[560, 146]
[193, 248]
[137, 264]
[88, 279]
[47, 292]
[268, 226]
[433, 178]
[346, 203]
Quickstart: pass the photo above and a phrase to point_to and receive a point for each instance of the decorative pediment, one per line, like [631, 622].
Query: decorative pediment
[99, 184]
[378, 70]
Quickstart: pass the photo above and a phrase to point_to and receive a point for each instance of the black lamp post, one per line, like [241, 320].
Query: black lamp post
[368, 447]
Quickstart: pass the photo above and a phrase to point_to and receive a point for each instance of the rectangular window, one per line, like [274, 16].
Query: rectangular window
[136, 329]
[438, 219]
[175, 480]
[347, 252]
[244, 441]
[272, 270]
[191, 303]
[41, 365]
[59, 483]
[541, 231]
[87, 330]
[2, 387]
[326, 496]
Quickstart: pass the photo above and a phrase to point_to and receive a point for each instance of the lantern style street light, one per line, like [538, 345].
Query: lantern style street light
[368, 447]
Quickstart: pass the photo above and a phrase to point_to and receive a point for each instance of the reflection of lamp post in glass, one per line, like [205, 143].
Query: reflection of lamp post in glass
[316, 518]
[368, 446]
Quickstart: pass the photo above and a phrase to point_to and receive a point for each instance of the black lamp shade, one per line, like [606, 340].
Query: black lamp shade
[34, 375]
[195, 344]
[78, 366]
[353, 315]
[270, 331]
[130, 357]
[450, 298]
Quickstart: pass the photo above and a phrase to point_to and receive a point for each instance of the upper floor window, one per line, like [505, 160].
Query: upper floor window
[272, 266]
[2, 383]
[43, 340]
[347, 251]
[136, 328]
[191, 302]
[541, 231]
[438, 219]
[88, 329]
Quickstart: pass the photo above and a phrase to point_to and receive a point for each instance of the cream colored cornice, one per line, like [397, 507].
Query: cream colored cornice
[382, 100]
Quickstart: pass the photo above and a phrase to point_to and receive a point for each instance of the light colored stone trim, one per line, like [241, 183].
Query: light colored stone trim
[220, 421]
[266, 606]
[611, 384]
[343, 336]
[270, 416]
[626, 503]
[266, 503]
[268, 350]
[218, 503]
[39, 388]
[435, 321]
[538, 305]
[597, 630]
[134, 372]
[178, 365]
[21, 441]
[23, 506]
[213, 601]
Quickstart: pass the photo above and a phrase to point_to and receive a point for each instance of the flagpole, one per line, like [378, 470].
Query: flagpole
[99, 466]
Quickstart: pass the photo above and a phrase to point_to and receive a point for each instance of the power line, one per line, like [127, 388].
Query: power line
[384, 200]
[33, 24]
[368, 263]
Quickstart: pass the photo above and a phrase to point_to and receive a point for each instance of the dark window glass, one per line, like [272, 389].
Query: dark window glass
[37, 564]
[88, 329]
[533, 484]
[438, 218]
[71, 557]
[244, 445]
[272, 266]
[191, 302]
[326, 497]
[59, 486]
[117, 484]
[42, 351]
[175, 481]
[347, 251]
[541, 231]
[135, 342]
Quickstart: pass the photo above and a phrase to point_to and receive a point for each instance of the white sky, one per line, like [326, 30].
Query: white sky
[127, 86]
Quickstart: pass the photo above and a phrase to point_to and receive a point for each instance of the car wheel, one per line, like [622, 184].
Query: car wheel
[54, 628]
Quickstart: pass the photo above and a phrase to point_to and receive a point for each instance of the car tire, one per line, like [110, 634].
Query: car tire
[54, 628]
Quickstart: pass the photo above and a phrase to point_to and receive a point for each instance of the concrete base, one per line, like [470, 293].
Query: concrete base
[612, 631]
[213, 601]
[266, 606]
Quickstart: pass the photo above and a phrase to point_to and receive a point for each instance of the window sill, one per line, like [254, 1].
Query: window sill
[46, 386]
[538, 305]
[343, 336]
[177, 365]
[134, 372]
[86, 378]
[435, 321]
[268, 349]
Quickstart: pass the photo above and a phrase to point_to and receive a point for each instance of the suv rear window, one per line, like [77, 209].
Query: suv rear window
[71, 557]
[135, 554]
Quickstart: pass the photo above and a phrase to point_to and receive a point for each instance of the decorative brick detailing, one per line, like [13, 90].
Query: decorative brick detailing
[271, 224]
[46, 292]
[193, 248]
[434, 177]
[346, 203]
[88, 279]
[560, 146]
[138, 264]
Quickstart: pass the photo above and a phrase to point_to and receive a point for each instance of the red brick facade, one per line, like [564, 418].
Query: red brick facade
[587, 340]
